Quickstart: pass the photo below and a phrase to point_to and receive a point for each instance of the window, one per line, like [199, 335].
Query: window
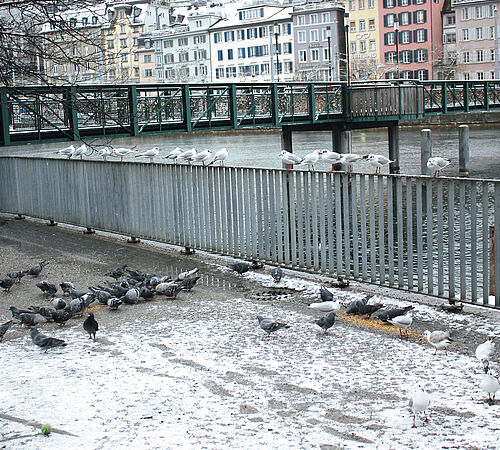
[325, 34]
[182, 42]
[467, 13]
[314, 18]
[419, 16]
[362, 46]
[314, 36]
[465, 34]
[406, 57]
[169, 58]
[122, 28]
[492, 57]
[390, 57]
[352, 47]
[148, 73]
[389, 3]
[217, 37]
[450, 20]
[302, 36]
[479, 56]
[466, 57]
[480, 76]
[287, 48]
[361, 4]
[301, 20]
[492, 32]
[255, 13]
[123, 43]
[449, 38]
[229, 53]
[372, 46]
[421, 55]
[302, 56]
[405, 18]
[230, 72]
[352, 5]
[228, 36]
[287, 29]
[371, 4]
[85, 21]
[241, 52]
[325, 17]
[371, 24]
[111, 44]
[136, 57]
[168, 43]
[184, 57]
[404, 3]
[389, 39]
[220, 56]
[263, 31]
[362, 25]
[389, 20]
[315, 54]
[199, 39]
[352, 26]
[405, 37]
[219, 72]
[145, 58]
[326, 54]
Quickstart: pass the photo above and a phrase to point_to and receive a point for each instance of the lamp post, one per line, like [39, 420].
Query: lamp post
[329, 37]
[346, 29]
[277, 53]
[495, 13]
[396, 37]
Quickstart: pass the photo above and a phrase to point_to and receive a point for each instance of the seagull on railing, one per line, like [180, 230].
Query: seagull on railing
[151, 154]
[437, 164]
[174, 154]
[289, 158]
[105, 152]
[187, 155]
[310, 159]
[349, 159]
[203, 156]
[121, 152]
[67, 151]
[330, 157]
[378, 161]
[80, 151]
[220, 156]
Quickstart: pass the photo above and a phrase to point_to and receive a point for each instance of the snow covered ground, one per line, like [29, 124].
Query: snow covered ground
[198, 372]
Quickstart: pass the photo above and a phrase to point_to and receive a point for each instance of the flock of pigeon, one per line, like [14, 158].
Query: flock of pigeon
[204, 157]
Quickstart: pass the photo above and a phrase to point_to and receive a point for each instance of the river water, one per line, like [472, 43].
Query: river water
[261, 148]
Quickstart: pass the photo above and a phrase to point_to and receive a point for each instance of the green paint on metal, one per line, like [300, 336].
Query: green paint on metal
[4, 118]
[134, 122]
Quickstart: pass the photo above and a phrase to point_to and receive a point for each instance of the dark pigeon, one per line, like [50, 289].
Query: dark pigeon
[146, 293]
[168, 290]
[45, 342]
[326, 322]
[115, 289]
[75, 293]
[325, 294]
[4, 328]
[66, 286]
[356, 305]
[101, 295]
[91, 326]
[389, 314]
[46, 312]
[114, 303]
[117, 273]
[47, 287]
[16, 276]
[78, 305]
[136, 275]
[276, 273]
[62, 316]
[16, 312]
[270, 325]
[37, 268]
[341, 283]
[28, 319]
[58, 303]
[188, 283]
[7, 283]
[240, 268]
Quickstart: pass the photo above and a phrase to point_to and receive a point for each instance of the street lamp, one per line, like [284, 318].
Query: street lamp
[495, 13]
[329, 37]
[277, 54]
[346, 29]
[396, 37]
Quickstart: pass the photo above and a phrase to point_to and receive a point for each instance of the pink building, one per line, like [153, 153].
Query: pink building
[414, 27]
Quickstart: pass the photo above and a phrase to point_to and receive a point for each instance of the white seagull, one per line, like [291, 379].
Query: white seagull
[438, 339]
[484, 353]
[349, 159]
[378, 161]
[151, 154]
[187, 155]
[67, 151]
[202, 156]
[174, 154]
[310, 159]
[330, 157]
[402, 322]
[437, 164]
[105, 152]
[80, 151]
[289, 158]
[419, 402]
[489, 384]
[327, 306]
[121, 152]
[220, 156]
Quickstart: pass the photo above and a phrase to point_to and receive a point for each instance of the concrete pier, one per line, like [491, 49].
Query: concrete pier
[425, 150]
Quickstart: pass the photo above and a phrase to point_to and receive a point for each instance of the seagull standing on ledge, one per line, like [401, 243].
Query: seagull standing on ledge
[202, 156]
[174, 154]
[105, 152]
[290, 158]
[330, 157]
[121, 152]
[187, 155]
[310, 159]
[151, 154]
[221, 156]
[349, 159]
[80, 151]
[378, 161]
[437, 164]
[67, 151]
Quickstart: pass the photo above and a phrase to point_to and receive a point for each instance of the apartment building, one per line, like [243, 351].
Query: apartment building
[447, 67]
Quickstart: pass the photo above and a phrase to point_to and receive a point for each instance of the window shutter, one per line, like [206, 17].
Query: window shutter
[399, 2]
[385, 21]
[425, 16]
[409, 18]
[414, 16]
[241, 15]
[426, 54]
[410, 74]
[215, 38]
[410, 54]
[426, 74]
[385, 3]
[425, 35]
[409, 37]
[385, 39]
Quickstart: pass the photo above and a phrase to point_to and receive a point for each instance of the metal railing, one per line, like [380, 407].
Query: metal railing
[415, 233]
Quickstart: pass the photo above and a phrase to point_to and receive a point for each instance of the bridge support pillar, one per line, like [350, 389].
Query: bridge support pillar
[425, 151]
[463, 150]
[341, 142]
[286, 143]
[393, 138]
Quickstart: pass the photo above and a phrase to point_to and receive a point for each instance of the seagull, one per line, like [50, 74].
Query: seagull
[437, 164]
[174, 154]
[202, 156]
[105, 152]
[187, 155]
[438, 339]
[151, 154]
[121, 152]
[270, 325]
[419, 402]
[67, 151]
[402, 322]
[310, 159]
[349, 159]
[45, 342]
[91, 326]
[490, 384]
[326, 322]
[330, 157]
[221, 156]
[484, 353]
[80, 151]
[289, 158]
[276, 274]
[378, 161]
[328, 306]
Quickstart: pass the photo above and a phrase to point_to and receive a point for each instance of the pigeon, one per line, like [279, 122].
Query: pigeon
[115, 289]
[188, 283]
[91, 326]
[187, 155]
[4, 328]
[17, 312]
[114, 303]
[29, 319]
[67, 151]
[388, 314]
[438, 339]
[276, 274]
[136, 275]
[48, 288]
[378, 161]
[325, 294]
[16, 276]
[310, 159]
[289, 158]
[75, 293]
[240, 268]
[202, 156]
[340, 283]
[80, 151]
[328, 306]
[361, 307]
[174, 154]
[105, 152]
[132, 296]
[45, 342]
[484, 353]
[402, 322]
[169, 290]
[62, 316]
[186, 274]
[490, 384]
[270, 325]
[146, 293]
[419, 402]
[349, 159]
[151, 154]
[66, 286]
[58, 303]
[330, 157]
[100, 295]
[326, 322]
[78, 305]
[122, 152]
[47, 312]
[220, 156]
[7, 283]
[36, 269]
[437, 164]
[117, 273]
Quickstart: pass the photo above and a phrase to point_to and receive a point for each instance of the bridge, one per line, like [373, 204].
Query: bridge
[35, 114]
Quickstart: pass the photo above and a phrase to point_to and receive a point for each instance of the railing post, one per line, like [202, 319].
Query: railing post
[286, 144]
[466, 96]
[486, 99]
[4, 118]
[233, 105]
[393, 138]
[312, 103]
[72, 113]
[186, 108]
[275, 110]
[463, 150]
[425, 151]
[132, 102]
[444, 96]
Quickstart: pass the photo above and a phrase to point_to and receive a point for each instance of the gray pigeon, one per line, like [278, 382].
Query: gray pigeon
[7, 283]
[132, 296]
[326, 322]
[58, 303]
[45, 342]
[62, 316]
[101, 295]
[47, 287]
[46, 312]
[188, 283]
[114, 303]
[270, 325]
[78, 305]
[16, 276]
[17, 312]
[117, 273]
[168, 290]
[326, 295]
[361, 307]
[66, 286]
[389, 314]
[276, 273]
[75, 293]
[240, 268]
[37, 268]
[91, 326]
[4, 328]
[28, 319]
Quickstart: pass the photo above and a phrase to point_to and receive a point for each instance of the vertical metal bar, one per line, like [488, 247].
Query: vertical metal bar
[206, 210]
[451, 239]
[224, 227]
[246, 199]
[381, 228]
[285, 211]
[272, 217]
[235, 212]
[4, 118]
[347, 232]
[338, 224]
[73, 114]
[497, 244]
[485, 242]
[364, 240]
[133, 119]
[473, 241]
[300, 216]
[314, 214]
[186, 108]
[420, 249]
[355, 229]
[322, 222]
[211, 209]
[233, 105]
[252, 212]
[463, 255]
[373, 238]
[390, 231]
[409, 231]
[330, 224]
[307, 217]
[293, 216]
[278, 199]
[430, 261]
[440, 239]
[242, 241]
[400, 234]
[260, 226]
[267, 220]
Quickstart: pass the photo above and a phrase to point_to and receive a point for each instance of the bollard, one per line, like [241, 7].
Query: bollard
[463, 150]
[425, 150]
[286, 144]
